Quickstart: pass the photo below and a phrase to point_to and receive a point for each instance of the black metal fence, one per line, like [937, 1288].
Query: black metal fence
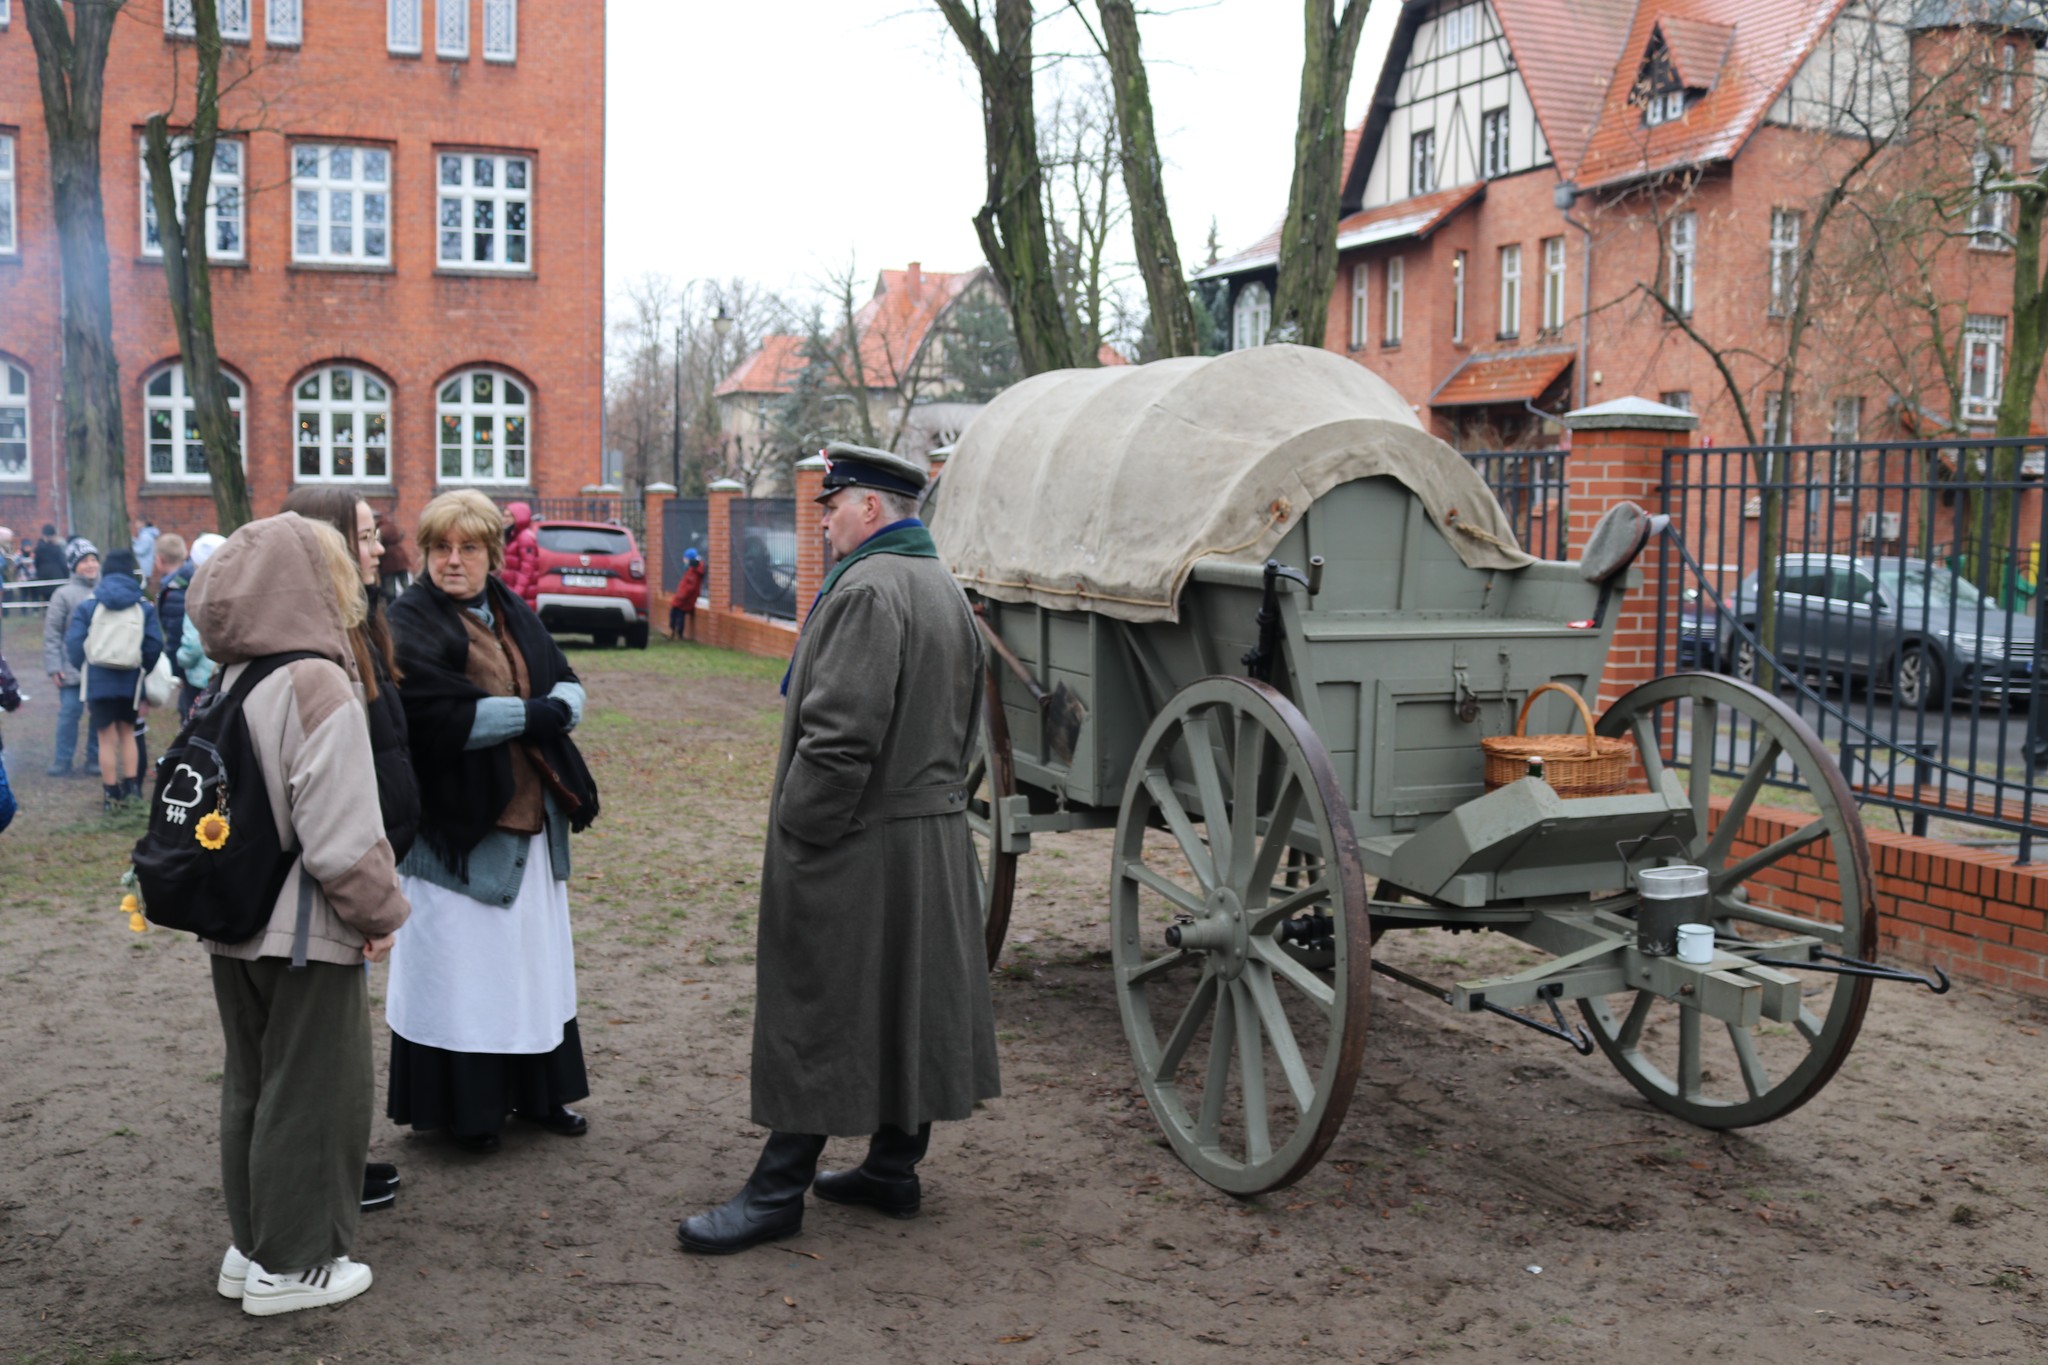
[1530, 487]
[1890, 593]
[686, 525]
[630, 513]
[763, 572]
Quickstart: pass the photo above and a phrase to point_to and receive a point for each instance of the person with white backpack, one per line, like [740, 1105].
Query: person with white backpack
[115, 640]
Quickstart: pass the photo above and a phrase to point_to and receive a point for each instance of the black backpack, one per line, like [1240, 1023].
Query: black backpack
[212, 862]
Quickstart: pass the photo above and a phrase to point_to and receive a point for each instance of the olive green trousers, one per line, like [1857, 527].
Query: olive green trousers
[296, 1099]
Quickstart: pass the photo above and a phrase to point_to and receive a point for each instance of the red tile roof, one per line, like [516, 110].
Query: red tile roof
[1696, 47]
[1566, 51]
[1417, 217]
[893, 324]
[772, 369]
[1519, 377]
[1770, 38]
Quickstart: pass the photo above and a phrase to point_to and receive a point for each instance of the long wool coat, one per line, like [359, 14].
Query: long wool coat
[873, 1001]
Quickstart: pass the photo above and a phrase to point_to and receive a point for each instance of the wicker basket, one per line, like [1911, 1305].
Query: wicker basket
[1573, 765]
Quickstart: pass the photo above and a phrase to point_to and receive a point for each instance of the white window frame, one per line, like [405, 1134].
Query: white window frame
[284, 22]
[402, 26]
[451, 29]
[181, 19]
[497, 413]
[361, 406]
[1251, 317]
[1845, 428]
[1786, 225]
[17, 393]
[10, 240]
[501, 30]
[1397, 298]
[1676, 398]
[1511, 291]
[1422, 162]
[467, 197]
[1666, 106]
[184, 434]
[319, 198]
[1683, 238]
[1360, 315]
[1458, 298]
[1983, 366]
[1770, 431]
[6, 13]
[1990, 214]
[1460, 28]
[1553, 284]
[224, 189]
[1495, 131]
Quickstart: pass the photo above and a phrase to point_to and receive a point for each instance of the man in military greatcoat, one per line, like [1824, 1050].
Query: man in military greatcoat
[872, 1013]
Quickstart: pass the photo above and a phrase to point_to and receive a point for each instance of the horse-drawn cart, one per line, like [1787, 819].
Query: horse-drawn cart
[1258, 622]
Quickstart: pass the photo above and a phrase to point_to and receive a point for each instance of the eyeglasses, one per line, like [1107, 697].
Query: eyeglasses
[468, 549]
[368, 538]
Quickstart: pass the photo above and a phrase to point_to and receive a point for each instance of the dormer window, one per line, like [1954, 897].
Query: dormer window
[1681, 63]
[1665, 107]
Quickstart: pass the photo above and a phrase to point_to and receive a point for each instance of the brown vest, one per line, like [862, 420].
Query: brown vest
[496, 666]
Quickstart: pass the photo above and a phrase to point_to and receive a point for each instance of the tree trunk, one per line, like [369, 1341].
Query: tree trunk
[70, 68]
[1011, 223]
[1990, 565]
[189, 279]
[1166, 289]
[1308, 234]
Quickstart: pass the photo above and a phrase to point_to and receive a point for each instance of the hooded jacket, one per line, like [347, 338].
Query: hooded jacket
[57, 620]
[267, 591]
[170, 611]
[116, 592]
[522, 554]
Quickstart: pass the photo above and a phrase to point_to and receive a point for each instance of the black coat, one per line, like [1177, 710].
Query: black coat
[170, 610]
[398, 791]
[50, 560]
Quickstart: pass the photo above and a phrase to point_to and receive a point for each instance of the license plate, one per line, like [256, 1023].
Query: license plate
[583, 580]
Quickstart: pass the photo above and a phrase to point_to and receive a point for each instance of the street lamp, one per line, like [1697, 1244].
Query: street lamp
[721, 324]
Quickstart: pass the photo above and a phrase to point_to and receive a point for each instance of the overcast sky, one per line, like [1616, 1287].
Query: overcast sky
[773, 140]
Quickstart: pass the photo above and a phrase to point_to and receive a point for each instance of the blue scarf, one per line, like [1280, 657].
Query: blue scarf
[906, 537]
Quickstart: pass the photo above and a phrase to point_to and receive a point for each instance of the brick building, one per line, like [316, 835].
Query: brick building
[407, 240]
[1679, 145]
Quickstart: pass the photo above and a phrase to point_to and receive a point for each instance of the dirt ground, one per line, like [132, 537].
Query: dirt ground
[1493, 1196]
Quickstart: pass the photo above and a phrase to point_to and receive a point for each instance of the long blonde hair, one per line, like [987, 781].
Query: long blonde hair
[346, 576]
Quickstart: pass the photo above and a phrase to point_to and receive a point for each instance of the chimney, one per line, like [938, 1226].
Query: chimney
[914, 278]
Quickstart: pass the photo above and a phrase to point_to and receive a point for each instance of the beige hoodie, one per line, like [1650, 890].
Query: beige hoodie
[267, 591]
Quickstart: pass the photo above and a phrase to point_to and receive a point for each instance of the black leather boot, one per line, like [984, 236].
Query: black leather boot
[887, 1180]
[768, 1206]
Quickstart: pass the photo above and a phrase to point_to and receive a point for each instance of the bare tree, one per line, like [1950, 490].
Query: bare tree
[1308, 234]
[71, 60]
[1086, 210]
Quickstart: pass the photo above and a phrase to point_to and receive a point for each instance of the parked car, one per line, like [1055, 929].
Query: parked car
[1699, 632]
[1908, 626]
[593, 579]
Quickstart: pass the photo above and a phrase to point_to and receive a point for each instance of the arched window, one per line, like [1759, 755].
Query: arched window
[13, 421]
[344, 424]
[485, 431]
[1252, 318]
[175, 454]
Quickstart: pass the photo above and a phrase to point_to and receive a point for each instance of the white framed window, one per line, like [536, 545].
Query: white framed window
[1684, 248]
[1772, 409]
[284, 22]
[1845, 428]
[1553, 284]
[486, 432]
[1677, 398]
[343, 418]
[8, 244]
[451, 28]
[1251, 317]
[341, 204]
[1667, 106]
[1983, 366]
[171, 426]
[1989, 213]
[6, 13]
[1397, 290]
[223, 203]
[1511, 290]
[1458, 298]
[1785, 226]
[1460, 28]
[181, 20]
[1359, 316]
[1493, 143]
[1422, 162]
[14, 411]
[2008, 58]
[501, 30]
[485, 201]
[402, 26]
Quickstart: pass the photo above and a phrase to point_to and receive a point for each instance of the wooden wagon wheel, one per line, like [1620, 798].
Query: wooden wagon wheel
[1229, 977]
[990, 778]
[1669, 1051]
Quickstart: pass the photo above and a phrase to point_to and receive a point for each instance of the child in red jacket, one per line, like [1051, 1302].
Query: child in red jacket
[682, 608]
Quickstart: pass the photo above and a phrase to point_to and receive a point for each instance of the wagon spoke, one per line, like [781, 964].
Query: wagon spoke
[1278, 831]
[1284, 908]
[1630, 1037]
[1647, 745]
[1245, 776]
[1190, 901]
[1754, 1076]
[1185, 1029]
[1183, 829]
[1706, 724]
[1158, 966]
[1809, 1024]
[1307, 982]
[1738, 806]
[1200, 731]
[1737, 873]
[1220, 1036]
[1281, 1035]
[1689, 1054]
[1251, 1072]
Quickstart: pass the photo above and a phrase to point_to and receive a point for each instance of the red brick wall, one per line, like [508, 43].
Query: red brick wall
[413, 323]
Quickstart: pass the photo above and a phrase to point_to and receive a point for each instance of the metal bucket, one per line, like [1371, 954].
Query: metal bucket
[1671, 896]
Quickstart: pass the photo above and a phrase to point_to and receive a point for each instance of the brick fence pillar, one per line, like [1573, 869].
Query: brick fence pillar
[1617, 454]
[654, 546]
[810, 541]
[718, 543]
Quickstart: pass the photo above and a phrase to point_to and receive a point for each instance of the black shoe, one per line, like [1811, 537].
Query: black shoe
[768, 1207]
[897, 1198]
[381, 1170]
[480, 1143]
[378, 1194]
[561, 1119]
[112, 799]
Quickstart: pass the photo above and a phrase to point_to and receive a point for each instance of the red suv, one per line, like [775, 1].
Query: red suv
[592, 578]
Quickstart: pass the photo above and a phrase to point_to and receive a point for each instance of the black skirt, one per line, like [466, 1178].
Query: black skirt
[470, 1093]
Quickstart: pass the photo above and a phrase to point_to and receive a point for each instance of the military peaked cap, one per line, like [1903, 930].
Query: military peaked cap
[851, 466]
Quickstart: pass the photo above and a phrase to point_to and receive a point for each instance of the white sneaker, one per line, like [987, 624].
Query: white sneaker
[268, 1292]
[234, 1269]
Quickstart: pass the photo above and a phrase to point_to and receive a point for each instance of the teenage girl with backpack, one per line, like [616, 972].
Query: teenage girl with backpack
[115, 638]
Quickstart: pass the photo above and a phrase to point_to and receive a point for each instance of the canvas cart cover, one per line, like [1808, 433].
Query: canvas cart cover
[1100, 489]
